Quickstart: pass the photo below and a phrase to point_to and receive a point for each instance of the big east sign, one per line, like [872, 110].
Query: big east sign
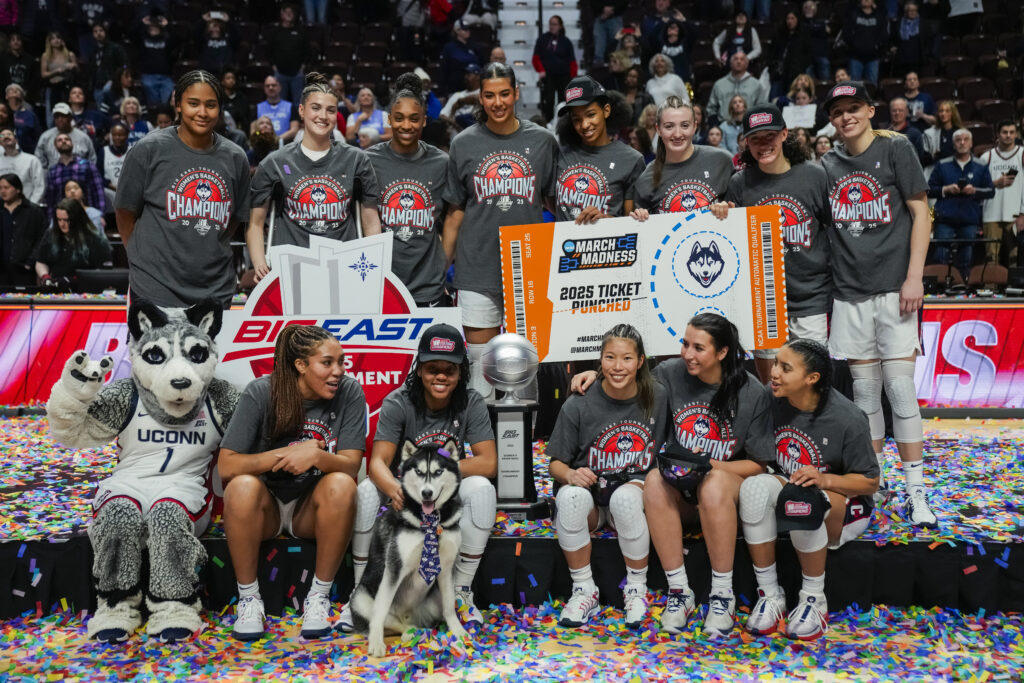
[348, 289]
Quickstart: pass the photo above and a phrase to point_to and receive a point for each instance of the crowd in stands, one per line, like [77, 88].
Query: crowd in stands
[85, 80]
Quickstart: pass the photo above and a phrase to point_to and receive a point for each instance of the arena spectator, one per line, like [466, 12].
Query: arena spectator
[652, 26]
[648, 122]
[85, 15]
[820, 37]
[763, 7]
[959, 185]
[433, 103]
[663, 83]
[131, 114]
[22, 226]
[281, 112]
[899, 121]
[411, 28]
[627, 51]
[938, 140]
[1005, 162]
[607, 24]
[316, 11]
[88, 120]
[111, 160]
[288, 47]
[912, 41]
[498, 55]
[732, 124]
[634, 91]
[125, 83]
[103, 61]
[26, 125]
[641, 142]
[803, 111]
[9, 11]
[70, 166]
[73, 243]
[700, 125]
[62, 123]
[217, 38]
[799, 81]
[369, 115]
[555, 62]
[262, 141]
[17, 66]
[822, 144]
[866, 34]
[676, 43]
[58, 66]
[26, 166]
[964, 17]
[482, 12]
[791, 53]
[739, 37]
[163, 116]
[154, 59]
[236, 105]
[922, 106]
[738, 81]
[72, 190]
[455, 57]
[460, 105]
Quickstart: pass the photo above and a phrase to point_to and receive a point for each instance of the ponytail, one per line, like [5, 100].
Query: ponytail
[816, 359]
[295, 342]
[315, 82]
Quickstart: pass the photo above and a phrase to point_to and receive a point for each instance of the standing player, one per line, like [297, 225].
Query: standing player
[603, 444]
[411, 175]
[683, 176]
[1005, 162]
[596, 174]
[182, 192]
[321, 181]
[775, 173]
[822, 443]
[881, 234]
[499, 172]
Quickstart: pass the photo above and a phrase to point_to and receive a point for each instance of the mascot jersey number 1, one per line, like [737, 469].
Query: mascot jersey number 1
[168, 420]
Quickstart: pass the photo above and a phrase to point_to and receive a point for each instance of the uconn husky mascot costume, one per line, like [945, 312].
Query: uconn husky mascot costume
[168, 420]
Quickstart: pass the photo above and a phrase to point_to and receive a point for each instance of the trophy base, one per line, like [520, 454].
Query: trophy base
[521, 511]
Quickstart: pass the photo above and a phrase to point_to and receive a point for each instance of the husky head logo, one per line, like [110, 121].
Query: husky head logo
[705, 263]
[504, 170]
[204, 191]
[701, 426]
[582, 184]
[406, 201]
[318, 194]
[430, 477]
[688, 201]
[624, 443]
[793, 451]
[855, 194]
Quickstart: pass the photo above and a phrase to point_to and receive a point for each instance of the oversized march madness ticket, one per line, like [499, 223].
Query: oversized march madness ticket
[565, 285]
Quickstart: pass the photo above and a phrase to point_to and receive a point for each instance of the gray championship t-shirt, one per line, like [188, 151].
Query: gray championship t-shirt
[319, 196]
[399, 422]
[411, 205]
[596, 176]
[340, 423]
[500, 180]
[746, 432]
[184, 201]
[610, 436]
[837, 441]
[870, 220]
[693, 184]
[801, 192]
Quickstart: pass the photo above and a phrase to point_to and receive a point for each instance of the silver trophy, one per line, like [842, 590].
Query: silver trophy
[509, 363]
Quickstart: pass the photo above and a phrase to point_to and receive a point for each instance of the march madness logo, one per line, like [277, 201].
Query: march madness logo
[407, 209]
[625, 447]
[581, 186]
[794, 449]
[601, 252]
[688, 195]
[505, 176]
[858, 204]
[202, 196]
[315, 202]
[796, 221]
[698, 430]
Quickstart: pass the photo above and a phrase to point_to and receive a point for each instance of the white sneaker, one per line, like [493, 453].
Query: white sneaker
[466, 607]
[767, 612]
[917, 509]
[721, 615]
[316, 616]
[581, 607]
[635, 599]
[882, 495]
[680, 605]
[809, 619]
[345, 623]
[249, 617]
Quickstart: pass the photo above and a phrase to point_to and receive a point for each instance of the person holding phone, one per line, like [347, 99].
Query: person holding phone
[1004, 162]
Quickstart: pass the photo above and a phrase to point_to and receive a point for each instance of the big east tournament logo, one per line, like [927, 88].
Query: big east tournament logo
[796, 223]
[407, 209]
[698, 430]
[581, 186]
[200, 195]
[858, 204]
[622, 447]
[315, 202]
[688, 195]
[505, 176]
[794, 449]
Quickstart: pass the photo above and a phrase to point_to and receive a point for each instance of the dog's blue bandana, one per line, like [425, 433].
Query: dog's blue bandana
[430, 559]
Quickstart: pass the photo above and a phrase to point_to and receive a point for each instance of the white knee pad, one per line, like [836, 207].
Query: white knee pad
[479, 508]
[809, 541]
[899, 387]
[758, 496]
[627, 509]
[368, 500]
[867, 394]
[574, 504]
[476, 373]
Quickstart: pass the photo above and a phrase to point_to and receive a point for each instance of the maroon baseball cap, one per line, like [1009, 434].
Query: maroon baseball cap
[441, 342]
[763, 117]
[854, 89]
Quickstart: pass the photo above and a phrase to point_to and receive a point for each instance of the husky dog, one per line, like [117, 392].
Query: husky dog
[406, 584]
[705, 263]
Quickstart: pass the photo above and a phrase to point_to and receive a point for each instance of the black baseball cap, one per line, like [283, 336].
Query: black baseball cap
[441, 342]
[580, 92]
[801, 507]
[854, 89]
[763, 117]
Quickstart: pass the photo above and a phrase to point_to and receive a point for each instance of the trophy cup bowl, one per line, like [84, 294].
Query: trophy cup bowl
[509, 363]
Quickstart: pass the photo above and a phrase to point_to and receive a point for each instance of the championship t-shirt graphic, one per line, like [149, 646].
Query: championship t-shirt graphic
[688, 195]
[794, 450]
[407, 209]
[796, 221]
[504, 179]
[622, 448]
[315, 202]
[697, 429]
[199, 199]
[581, 186]
[859, 204]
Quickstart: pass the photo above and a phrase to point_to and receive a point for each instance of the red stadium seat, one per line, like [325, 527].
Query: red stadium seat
[981, 133]
[992, 111]
[957, 67]
[975, 45]
[939, 88]
[975, 88]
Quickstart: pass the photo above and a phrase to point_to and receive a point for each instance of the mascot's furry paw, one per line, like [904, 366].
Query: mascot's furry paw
[83, 377]
[113, 624]
[171, 620]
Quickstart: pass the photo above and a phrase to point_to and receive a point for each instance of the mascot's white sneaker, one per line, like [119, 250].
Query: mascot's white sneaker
[249, 616]
[635, 599]
[581, 607]
[767, 613]
[721, 615]
[466, 607]
[316, 616]
[680, 605]
[115, 624]
[345, 623]
[809, 619]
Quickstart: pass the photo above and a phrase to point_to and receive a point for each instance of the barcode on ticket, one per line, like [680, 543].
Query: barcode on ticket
[518, 293]
[768, 264]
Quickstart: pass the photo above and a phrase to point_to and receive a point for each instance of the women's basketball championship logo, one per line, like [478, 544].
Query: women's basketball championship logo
[504, 179]
[317, 203]
[582, 186]
[796, 221]
[859, 204]
[407, 209]
[794, 449]
[688, 195]
[698, 430]
[200, 199]
[623, 447]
